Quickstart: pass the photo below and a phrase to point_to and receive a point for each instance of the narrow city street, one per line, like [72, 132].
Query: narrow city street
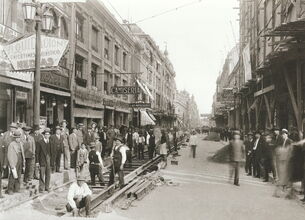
[204, 193]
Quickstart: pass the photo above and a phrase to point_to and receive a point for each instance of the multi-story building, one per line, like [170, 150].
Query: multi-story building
[157, 76]
[102, 53]
[269, 82]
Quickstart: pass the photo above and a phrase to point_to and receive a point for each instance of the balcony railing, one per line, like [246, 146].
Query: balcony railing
[81, 82]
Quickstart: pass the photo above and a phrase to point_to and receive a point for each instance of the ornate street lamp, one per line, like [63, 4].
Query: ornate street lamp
[47, 22]
[29, 11]
[36, 12]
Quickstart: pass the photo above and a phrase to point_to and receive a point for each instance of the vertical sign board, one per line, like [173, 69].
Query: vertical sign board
[247, 63]
[22, 52]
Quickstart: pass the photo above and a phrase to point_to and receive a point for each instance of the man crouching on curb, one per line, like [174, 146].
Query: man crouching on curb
[79, 196]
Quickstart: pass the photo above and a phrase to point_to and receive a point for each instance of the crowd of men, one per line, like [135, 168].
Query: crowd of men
[39, 152]
[276, 151]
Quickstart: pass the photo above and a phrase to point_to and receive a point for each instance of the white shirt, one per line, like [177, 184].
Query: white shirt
[255, 144]
[135, 137]
[193, 140]
[75, 190]
[147, 139]
[123, 150]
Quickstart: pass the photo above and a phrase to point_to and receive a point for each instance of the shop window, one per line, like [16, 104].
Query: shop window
[94, 39]
[116, 55]
[94, 75]
[106, 87]
[106, 48]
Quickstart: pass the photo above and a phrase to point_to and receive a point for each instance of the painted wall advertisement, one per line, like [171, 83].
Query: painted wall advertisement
[22, 53]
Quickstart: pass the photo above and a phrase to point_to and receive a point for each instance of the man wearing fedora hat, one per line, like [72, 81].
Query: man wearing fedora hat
[257, 153]
[79, 196]
[16, 161]
[29, 153]
[57, 145]
[44, 156]
[95, 164]
[119, 157]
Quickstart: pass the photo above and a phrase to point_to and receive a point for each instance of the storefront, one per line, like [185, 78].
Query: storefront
[87, 107]
[55, 96]
[15, 97]
[116, 113]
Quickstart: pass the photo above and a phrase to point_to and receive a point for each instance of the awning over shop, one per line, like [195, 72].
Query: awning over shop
[54, 91]
[152, 116]
[148, 92]
[145, 119]
[141, 86]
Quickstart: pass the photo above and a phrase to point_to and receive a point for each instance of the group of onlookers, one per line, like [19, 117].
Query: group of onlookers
[266, 152]
[38, 152]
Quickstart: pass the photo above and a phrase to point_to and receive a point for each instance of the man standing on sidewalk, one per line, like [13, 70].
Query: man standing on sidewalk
[237, 150]
[248, 148]
[66, 150]
[57, 143]
[29, 148]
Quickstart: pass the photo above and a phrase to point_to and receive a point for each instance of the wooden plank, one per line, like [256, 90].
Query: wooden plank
[268, 109]
[292, 98]
[264, 90]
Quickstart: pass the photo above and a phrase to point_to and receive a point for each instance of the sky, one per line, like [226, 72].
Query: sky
[198, 37]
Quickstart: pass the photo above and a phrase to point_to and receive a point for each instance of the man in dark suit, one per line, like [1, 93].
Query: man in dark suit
[57, 146]
[43, 159]
[103, 139]
[89, 136]
[256, 153]
[37, 137]
[248, 148]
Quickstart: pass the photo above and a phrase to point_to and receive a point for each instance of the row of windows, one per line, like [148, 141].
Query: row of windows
[95, 44]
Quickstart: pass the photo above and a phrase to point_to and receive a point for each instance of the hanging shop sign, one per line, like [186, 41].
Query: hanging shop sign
[140, 105]
[125, 90]
[22, 53]
[21, 95]
[54, 79]
[115, 103]
[7, 33]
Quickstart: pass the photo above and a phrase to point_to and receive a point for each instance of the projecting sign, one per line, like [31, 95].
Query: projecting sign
[140, 105]
[124, 90]
[7, 33]
[22, 53]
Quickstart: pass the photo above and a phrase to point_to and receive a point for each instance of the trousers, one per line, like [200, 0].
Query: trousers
[66, 157]
[115, 169]
[85, 202]
[193, 148]
[29, 169]
[96, 170]
[14, 184]
[235, 170]
[45, 177]
[57, 160]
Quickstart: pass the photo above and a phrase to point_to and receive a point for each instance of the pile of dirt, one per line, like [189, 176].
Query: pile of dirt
[212, 136]
[221, 156]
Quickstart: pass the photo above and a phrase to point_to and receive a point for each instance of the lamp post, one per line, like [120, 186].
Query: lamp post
[34, 12]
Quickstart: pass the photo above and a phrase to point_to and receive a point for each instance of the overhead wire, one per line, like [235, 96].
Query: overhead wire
[168, 11]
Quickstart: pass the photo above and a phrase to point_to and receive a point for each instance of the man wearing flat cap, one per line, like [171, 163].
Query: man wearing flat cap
[44, 157]
[57, 145]
[95, 164]
[79, 196]
[29, 154]
[16, 162]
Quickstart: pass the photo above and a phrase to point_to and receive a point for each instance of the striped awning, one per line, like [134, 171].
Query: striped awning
[146, 119]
